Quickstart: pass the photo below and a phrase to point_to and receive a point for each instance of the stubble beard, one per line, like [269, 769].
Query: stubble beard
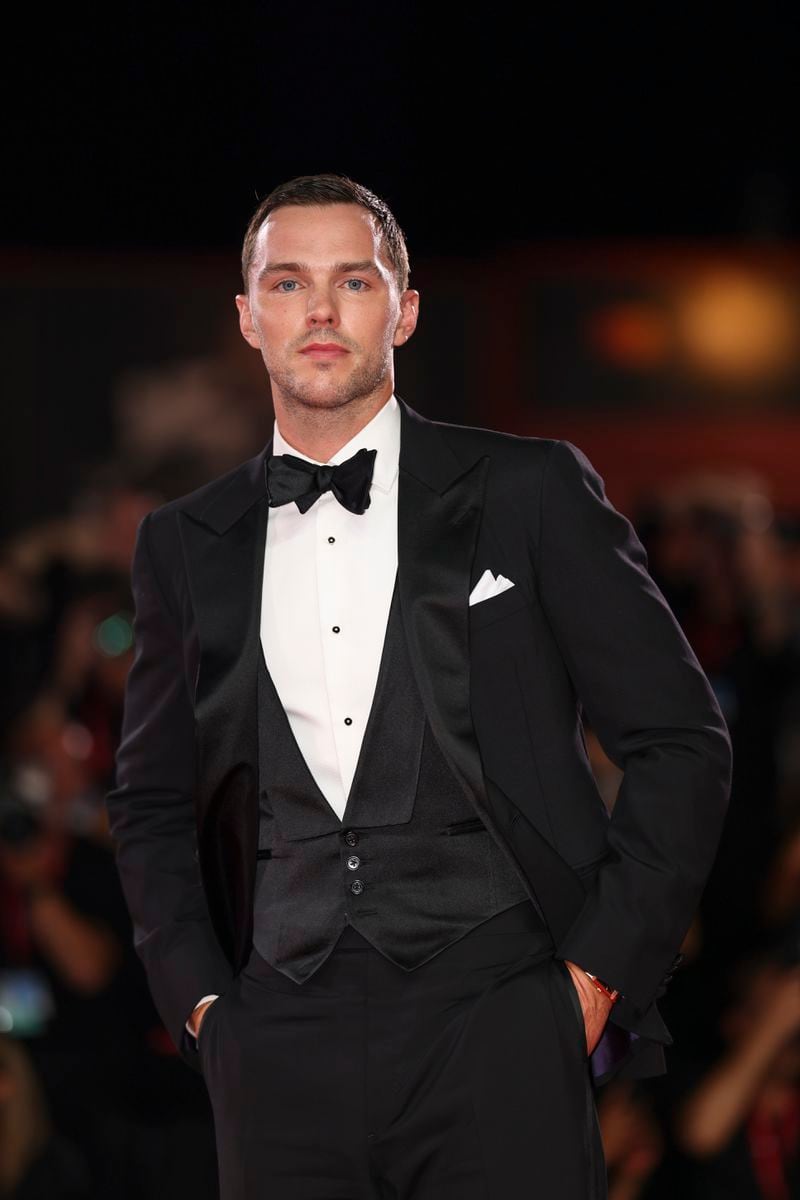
[326, 393]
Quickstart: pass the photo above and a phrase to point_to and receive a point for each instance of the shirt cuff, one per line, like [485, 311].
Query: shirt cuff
[211, 996]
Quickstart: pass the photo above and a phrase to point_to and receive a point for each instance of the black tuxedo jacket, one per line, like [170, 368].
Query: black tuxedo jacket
[504, 683]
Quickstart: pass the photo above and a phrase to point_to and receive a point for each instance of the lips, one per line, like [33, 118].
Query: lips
[324, 350]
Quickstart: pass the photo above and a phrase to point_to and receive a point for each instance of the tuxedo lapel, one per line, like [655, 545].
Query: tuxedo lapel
[223, 541]
[440, 503]
[441, 513]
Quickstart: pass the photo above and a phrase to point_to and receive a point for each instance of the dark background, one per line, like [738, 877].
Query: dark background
[135, 125]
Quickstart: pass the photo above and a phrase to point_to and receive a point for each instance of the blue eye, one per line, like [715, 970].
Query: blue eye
[358, 281]
[279, 286]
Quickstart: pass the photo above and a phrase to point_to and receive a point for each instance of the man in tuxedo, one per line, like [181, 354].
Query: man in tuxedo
[380, 903]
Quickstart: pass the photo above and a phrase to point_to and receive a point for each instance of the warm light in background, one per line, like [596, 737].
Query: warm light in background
[737, 327]
[732, 326]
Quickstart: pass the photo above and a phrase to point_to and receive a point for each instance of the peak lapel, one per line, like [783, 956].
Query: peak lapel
[440, 502]
[224, 538]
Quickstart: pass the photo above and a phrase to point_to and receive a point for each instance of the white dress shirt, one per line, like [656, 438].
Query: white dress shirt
[327, 587]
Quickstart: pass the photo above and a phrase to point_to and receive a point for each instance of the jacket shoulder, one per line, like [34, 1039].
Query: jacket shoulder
[511, 452]
[523, 458]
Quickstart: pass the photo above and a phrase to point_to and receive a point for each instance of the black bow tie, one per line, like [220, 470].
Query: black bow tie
[293, 478]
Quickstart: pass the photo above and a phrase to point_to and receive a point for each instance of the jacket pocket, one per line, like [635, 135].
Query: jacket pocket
[485, 612]
[572, 992]
[471, 825]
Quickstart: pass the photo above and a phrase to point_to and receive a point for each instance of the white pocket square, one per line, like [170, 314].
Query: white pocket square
[488, 586]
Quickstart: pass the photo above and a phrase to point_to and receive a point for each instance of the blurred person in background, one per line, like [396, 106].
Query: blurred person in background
[741, 1122]
[632, 1139]
[68, 971]
[78, 992]
[49, 568]
[36, 1161]
[724, 562]
[71, 985]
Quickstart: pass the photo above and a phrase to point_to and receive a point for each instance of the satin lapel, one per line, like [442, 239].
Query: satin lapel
[224, 544]
[440, 501]
[440, 514]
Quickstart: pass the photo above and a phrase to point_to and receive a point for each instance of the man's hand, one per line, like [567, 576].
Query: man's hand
[594, 1004]
[196, 1019]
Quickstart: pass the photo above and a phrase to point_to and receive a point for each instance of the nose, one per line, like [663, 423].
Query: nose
[321, 309]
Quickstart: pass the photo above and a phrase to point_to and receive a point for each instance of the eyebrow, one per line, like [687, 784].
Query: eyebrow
[365, 265]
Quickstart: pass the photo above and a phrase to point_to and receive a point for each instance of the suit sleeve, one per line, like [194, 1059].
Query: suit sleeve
[151, 813]
[656, 718]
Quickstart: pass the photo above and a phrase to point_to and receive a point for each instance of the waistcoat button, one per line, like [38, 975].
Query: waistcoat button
[356, 887]
[351, 838]
[353, 862]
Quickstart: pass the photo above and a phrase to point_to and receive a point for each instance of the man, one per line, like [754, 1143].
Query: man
[379, 900]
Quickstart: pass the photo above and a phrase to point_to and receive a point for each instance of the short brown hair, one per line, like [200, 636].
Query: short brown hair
[307, 190]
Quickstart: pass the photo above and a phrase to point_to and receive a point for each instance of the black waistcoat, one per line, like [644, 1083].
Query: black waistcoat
[411, 866]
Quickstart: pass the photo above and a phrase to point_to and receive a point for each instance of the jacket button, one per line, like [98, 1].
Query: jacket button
[356, 887]
[351, 838]
[353, 862]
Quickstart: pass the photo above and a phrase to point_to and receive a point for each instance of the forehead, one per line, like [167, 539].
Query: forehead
[317, 234]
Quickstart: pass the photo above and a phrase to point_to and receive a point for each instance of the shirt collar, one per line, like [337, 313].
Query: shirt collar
[381, 433]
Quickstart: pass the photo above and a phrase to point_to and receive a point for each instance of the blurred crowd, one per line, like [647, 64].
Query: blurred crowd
[94, 1101]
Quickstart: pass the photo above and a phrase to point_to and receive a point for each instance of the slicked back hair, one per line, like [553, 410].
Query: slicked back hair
[308, 190]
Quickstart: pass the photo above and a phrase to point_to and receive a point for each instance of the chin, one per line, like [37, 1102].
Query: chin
[328, 388]
[322, 397]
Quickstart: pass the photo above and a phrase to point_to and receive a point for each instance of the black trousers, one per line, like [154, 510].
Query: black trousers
[464, 1079]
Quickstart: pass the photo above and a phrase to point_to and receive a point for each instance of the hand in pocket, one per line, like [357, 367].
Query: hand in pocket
[595, 1007]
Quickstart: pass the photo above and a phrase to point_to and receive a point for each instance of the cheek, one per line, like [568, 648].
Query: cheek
[374, 331]
[276, 331]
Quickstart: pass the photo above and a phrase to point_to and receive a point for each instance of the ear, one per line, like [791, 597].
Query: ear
[409, 312]
[246, 323]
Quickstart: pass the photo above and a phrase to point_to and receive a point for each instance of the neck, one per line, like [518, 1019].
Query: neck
[321, 432]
